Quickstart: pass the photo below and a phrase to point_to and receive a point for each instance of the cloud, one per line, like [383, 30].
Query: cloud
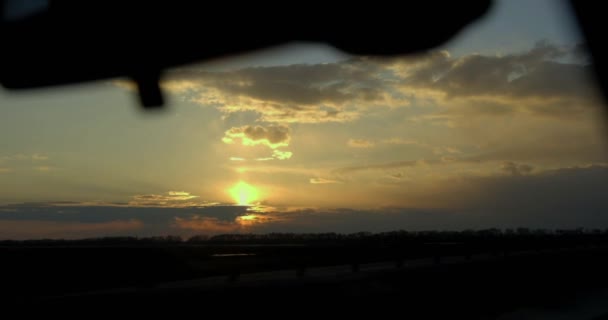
[43, 168]
[94, 219]
[206, 225]
[281, 155]
[197, 224]
[397, 175]
[171, 198]
[276, 155]
[39, 157]
[316, 93]
[534, 73]
[400, 141]
[378, 166]
[19, 156]
[549, 147]
[438, 150]
[182, 195]
[35, 229]
[360, 143]
[23, 161]
[23, 156]
[385, 166]
[537, 200]
[539, 82]
[548, 80]
[544, 199]
[322, 181]
[273, 136]
[273, 112]
[305, 171]
[158, 197]
[516, 169]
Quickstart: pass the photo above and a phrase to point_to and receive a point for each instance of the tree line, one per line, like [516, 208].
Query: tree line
[491, 235]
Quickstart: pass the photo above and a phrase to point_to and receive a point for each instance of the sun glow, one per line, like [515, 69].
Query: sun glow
[243, 193]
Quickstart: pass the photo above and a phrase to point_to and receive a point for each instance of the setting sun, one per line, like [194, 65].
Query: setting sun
[243, 193]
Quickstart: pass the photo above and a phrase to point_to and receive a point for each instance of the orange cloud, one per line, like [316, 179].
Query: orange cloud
[206, 224]
[169, 199]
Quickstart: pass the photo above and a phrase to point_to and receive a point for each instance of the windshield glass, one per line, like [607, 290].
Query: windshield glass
[501, 127]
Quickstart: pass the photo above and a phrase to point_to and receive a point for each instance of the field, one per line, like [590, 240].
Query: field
[449, 274]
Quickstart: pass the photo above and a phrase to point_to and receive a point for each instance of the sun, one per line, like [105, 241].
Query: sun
[243, 193]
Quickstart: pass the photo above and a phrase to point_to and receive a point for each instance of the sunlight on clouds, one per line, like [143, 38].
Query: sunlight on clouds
[248, 220]
[274, 137]
[212, 225]
[360, 143]
[270, 170]
[271, 136]
[281, 155]
[206, 224]
[179, 86]
[322, 181]
[181, 195]
[169, 199]
[278, 113]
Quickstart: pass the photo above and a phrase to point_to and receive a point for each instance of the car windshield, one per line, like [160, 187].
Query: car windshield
[501, 127]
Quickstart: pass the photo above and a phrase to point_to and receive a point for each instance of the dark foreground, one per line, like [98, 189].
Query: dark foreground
[437, 279]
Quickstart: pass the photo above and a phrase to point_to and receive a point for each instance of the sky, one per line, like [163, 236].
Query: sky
[500, 127]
